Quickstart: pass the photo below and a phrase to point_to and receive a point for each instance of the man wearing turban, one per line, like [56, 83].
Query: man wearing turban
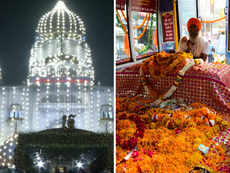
[195, 44]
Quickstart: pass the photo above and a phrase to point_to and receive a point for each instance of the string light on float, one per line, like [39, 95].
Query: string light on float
[7, 151]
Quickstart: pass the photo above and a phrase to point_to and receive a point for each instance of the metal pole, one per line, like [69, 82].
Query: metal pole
[157, 8]
[197, 9]
[129, 28]
[176, 22]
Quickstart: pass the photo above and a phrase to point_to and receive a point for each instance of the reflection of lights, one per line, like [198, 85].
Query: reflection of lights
[40, 164]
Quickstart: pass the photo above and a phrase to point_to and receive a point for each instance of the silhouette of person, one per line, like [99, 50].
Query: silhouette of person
[71, 121]
[64, 119]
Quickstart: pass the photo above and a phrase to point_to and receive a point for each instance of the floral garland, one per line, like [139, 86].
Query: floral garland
[147, 46]
[173, 140]
[160, 65]
[120, 24]
[145, 29]
[142, 24]
[139, 131]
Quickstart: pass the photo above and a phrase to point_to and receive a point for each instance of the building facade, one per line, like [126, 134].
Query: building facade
[60, 82]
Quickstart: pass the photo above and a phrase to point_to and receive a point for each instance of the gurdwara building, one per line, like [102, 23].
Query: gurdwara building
[60, 82]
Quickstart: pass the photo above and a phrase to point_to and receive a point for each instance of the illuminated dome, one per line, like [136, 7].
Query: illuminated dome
[61, 21]
[60, 51]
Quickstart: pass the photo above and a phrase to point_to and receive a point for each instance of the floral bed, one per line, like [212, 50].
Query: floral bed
[162, 125]
[174, 138]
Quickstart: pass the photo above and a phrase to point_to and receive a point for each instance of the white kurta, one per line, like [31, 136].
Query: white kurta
[200, 46]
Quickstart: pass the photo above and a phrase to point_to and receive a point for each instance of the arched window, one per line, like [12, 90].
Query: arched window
[15, 111]
[106, 112]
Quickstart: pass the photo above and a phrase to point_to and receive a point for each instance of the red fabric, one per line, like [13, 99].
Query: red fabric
[194, 21]
[207, 83]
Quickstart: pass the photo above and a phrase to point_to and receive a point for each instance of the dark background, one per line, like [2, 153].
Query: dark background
[18, 22]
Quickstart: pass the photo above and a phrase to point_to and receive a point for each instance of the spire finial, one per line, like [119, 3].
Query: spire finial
[60, 4]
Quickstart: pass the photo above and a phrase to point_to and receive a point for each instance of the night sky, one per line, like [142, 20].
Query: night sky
[19, 19]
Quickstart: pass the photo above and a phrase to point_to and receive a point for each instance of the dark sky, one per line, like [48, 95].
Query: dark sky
[19, 19]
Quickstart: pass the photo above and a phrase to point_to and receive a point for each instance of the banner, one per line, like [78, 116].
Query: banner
[148, 6]
[120, 4]
[167, 24]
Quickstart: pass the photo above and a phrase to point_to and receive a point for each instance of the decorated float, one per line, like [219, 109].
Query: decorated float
[172, 112]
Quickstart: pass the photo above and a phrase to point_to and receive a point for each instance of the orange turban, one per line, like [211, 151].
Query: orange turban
[194, 21]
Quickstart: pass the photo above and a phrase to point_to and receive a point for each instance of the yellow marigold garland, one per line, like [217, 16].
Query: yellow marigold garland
[160, 65]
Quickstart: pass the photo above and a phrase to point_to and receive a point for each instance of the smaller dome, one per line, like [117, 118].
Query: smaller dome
[60, 21]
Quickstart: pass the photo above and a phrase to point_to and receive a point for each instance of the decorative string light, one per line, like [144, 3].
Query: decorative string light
[27, 103]
[36, 118]
[7, 151]
[63, 74]
[58, 105]
[47, 106]
[61, 25]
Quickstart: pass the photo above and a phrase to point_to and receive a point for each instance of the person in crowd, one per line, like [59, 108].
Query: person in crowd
[194, 44]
